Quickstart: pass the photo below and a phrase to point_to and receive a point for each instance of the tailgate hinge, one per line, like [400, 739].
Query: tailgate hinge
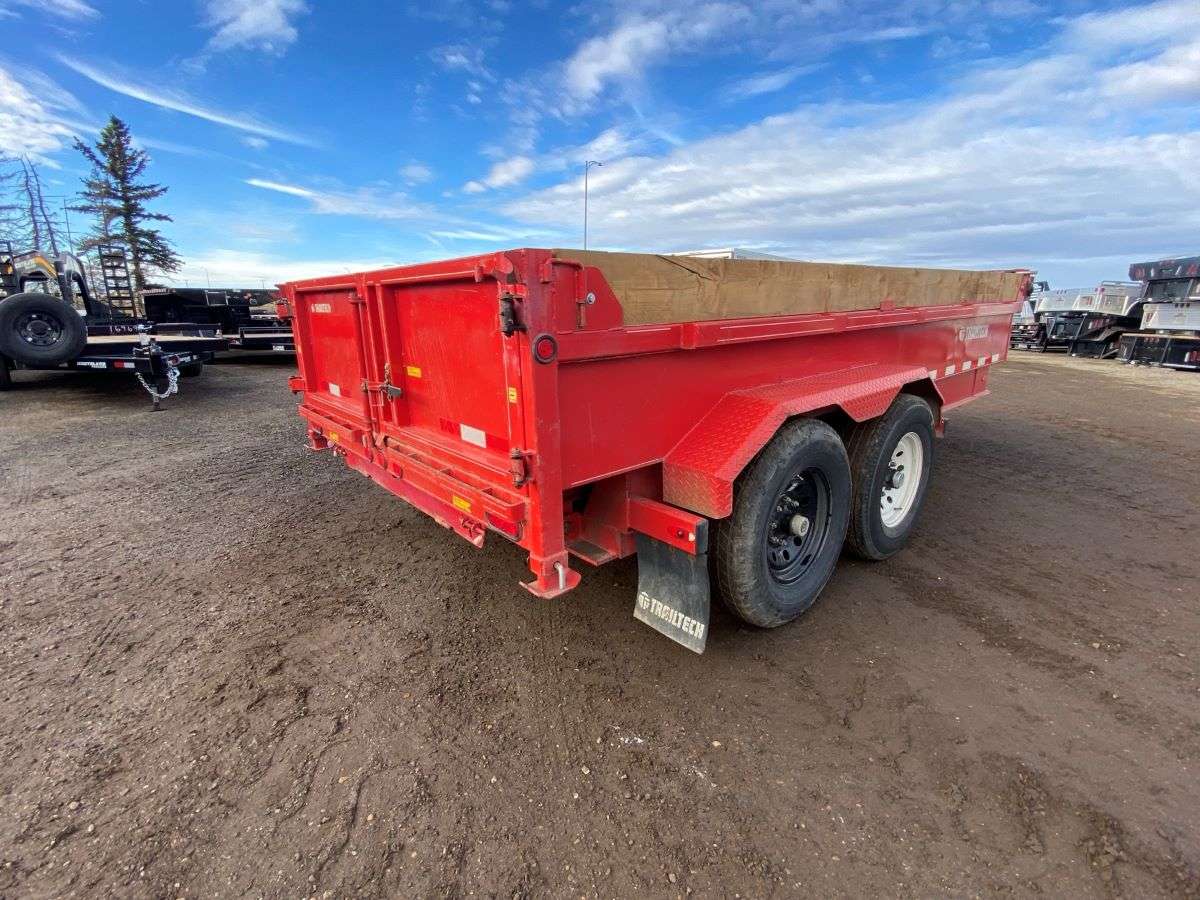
[510, 323]
[520, 466]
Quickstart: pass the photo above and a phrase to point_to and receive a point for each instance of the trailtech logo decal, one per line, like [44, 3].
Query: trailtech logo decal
[671, 616]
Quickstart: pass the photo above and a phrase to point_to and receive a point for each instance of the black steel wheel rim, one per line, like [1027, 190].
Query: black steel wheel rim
[39, 329]
[797, 526]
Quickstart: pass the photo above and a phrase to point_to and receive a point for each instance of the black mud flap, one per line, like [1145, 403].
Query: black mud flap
[673, 589]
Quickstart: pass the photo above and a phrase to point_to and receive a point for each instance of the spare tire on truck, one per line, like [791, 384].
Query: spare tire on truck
[40, 330]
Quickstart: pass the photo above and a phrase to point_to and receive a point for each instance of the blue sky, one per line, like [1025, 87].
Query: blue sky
[302, 137]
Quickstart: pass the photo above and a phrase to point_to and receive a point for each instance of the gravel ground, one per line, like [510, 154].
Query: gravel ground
[231, 667]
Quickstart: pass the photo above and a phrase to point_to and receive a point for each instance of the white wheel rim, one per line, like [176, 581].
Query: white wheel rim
[903, 480]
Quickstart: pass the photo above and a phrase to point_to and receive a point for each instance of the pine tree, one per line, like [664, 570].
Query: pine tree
[114, 195]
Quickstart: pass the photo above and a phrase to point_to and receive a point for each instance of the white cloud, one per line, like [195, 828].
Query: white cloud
[492, 235]
[1150, 23]
[505, 173]
[255, 142]
[255, 24]
[65, 9]
[989, 174]
[178, 102]
[765, 83]
[223, 267]
[416, 173]
[1172, 75]
[365, 202]
[638, 43]
[462, 58]
[623, 53]
[36, 115]
[891, 33]
[610, 145]
[281, 188]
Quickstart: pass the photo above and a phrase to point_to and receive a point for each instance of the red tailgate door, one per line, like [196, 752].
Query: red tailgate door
[332, 357]
[460, 388]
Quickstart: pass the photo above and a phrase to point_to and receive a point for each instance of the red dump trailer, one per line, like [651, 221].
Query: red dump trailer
[732, 422]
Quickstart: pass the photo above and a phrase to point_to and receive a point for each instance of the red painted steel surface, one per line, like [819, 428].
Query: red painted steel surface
[700, 470]
[406, 374]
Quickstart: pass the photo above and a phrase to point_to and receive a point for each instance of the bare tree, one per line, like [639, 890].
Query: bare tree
[51, 231]
[35, 228]
[10, 212]
[24, 218]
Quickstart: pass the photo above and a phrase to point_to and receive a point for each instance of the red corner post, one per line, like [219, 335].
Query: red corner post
[548, 558]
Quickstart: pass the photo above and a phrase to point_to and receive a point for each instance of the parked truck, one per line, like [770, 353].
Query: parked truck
[1093, 326]
[731, 422]
[1170, 327]
[1030, 325]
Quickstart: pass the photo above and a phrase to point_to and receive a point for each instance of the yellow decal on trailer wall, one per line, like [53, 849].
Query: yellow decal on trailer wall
[413, 371]
[460, 503]
[512, 395]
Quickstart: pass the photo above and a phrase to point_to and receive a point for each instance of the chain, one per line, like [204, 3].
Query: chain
[172, 385]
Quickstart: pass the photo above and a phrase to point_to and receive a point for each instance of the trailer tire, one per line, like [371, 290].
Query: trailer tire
[40, 330]
[884, 512]
[777, 551]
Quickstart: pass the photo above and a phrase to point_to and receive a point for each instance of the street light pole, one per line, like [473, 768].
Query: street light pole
[586, 166]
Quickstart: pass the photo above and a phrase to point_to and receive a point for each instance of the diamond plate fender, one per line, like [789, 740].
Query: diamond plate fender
[699, 472]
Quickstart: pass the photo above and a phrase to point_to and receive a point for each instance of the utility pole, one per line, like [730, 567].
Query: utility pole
[586, 166]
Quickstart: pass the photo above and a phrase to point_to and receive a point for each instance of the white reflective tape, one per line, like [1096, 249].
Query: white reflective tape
[950, 370]
[982, 361]
[335, 390]
[933, 376]
[472, 435]
[966, 365]
[995, 357]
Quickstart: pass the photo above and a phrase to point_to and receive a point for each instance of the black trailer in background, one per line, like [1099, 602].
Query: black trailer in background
[246, 318]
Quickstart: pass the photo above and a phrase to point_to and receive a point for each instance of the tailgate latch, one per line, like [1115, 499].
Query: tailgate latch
[510, 324]
[386, 388]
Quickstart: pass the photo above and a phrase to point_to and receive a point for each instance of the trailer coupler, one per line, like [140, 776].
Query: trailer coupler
[673, 589]
[157, 396]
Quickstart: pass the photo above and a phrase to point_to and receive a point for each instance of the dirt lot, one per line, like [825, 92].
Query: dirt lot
[229, 667]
